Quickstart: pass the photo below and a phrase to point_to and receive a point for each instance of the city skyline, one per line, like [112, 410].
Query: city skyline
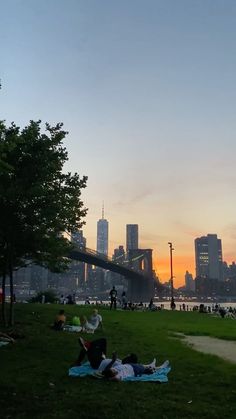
[132, 236]
[147, 93]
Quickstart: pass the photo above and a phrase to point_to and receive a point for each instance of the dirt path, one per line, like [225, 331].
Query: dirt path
[225, 349]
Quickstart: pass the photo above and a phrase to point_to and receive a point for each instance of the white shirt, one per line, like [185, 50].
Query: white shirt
[107, 361]
[94, 320]
[124, 370]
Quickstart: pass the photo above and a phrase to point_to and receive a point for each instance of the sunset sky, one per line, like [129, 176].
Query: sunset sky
[147, 91]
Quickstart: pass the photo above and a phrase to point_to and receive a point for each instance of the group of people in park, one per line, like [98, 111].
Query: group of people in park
[80, 323]
[113, 369]
[127, 305]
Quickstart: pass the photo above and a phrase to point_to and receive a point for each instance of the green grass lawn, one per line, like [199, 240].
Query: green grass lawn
[34, 380]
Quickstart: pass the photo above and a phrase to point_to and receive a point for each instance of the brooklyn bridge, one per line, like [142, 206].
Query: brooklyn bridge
[137, 269]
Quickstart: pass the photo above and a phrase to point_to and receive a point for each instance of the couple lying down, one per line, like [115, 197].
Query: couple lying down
[113, 368]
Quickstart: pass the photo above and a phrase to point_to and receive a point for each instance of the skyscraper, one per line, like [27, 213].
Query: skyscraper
[208, 255]
[78, 238]
[189, 282]
[131, 237]
[102, 235]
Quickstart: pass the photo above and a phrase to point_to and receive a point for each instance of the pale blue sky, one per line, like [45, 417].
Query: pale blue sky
[146, 89]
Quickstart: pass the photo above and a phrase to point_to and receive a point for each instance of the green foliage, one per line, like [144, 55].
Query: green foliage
[38, 201]
[50, 297]
[34, 378]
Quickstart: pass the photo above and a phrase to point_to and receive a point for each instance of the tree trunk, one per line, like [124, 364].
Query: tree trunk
[11, 316]
[4, 318]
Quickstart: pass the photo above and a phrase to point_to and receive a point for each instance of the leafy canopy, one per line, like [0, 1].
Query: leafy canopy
[38, 200]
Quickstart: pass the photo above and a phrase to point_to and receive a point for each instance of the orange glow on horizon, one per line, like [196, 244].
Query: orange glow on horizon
[181, 264]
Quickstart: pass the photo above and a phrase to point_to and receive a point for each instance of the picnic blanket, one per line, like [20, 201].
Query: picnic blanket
[160, 375]
[3, 343]
[72, 328]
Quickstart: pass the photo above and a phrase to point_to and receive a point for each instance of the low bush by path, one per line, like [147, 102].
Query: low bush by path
[34, 380]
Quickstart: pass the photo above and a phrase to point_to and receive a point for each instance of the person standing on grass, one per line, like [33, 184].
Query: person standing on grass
[113, 296]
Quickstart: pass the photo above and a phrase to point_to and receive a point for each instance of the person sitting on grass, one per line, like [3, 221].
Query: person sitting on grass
[93, 323]
[60, 321]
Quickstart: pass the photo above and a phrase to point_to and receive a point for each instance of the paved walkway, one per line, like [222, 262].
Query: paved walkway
[225, 349]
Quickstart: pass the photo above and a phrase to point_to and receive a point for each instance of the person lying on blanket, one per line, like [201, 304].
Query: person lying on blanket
[113, 369]
[119, 371]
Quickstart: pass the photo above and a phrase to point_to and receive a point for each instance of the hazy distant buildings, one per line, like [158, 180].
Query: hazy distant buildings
[115, 278]
[78, 269]
[232, 271]
[78, 238]
[119, 254]
[131, 237]
[189, 282]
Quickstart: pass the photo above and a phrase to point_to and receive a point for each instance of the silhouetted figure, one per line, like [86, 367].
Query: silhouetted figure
[150, 304]
[124, 300]
[172, 304]
[222, 312]
[113, 296]
[70, 299]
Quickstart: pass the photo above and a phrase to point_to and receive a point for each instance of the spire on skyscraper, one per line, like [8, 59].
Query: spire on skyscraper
[102, 210]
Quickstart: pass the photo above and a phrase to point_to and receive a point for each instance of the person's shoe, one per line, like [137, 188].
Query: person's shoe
[153, 363]
[164, 365]
[85, 344]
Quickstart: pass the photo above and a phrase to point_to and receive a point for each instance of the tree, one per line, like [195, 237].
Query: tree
[38, 200]
[49, 297]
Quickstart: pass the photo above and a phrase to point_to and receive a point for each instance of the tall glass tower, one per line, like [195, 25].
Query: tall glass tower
[131, 237]
[102, 235]
[208, 254]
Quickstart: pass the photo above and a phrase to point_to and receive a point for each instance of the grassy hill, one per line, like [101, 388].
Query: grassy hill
[34, 380]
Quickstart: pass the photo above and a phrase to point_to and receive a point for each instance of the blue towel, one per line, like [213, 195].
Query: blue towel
[85, 369]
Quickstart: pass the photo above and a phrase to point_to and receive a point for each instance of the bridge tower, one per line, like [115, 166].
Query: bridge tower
[141, 289]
